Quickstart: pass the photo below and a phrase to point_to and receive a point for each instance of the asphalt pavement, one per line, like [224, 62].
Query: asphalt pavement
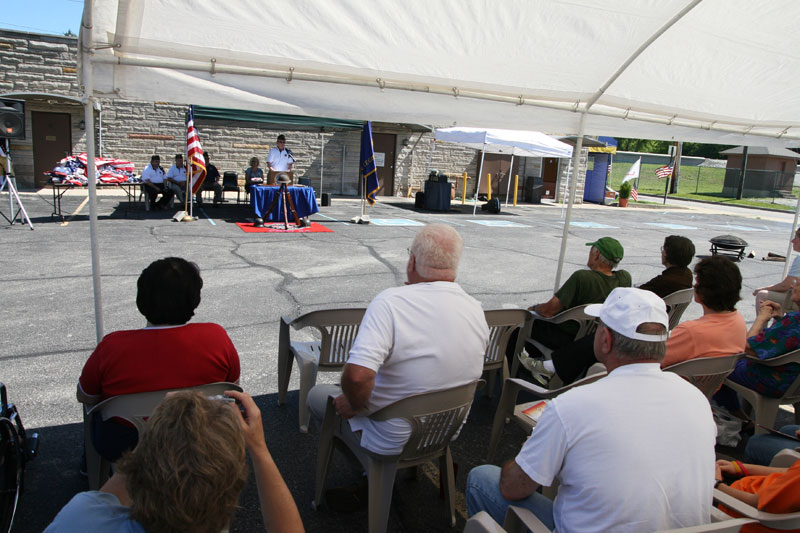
[251, 279]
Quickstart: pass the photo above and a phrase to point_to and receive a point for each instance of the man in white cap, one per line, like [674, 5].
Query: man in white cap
[633, 451]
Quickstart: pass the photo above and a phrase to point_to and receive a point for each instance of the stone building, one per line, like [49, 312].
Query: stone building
[42, 71]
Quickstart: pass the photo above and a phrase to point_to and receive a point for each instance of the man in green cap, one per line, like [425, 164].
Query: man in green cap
[583, 287]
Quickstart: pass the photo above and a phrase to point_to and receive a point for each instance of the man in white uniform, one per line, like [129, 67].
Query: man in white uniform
[154, 179]
[425, 336]
[633, 451]
[279, 159]
[176, 178]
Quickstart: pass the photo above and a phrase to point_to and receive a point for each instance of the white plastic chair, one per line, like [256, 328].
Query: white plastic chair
[338, 329]
[706, 373]
[434, 417]
[586, 325]
[134, 408]
[773, 520]
[520, 520]
[765, 408]
[502, 323]
[508, 408]
[677, 302]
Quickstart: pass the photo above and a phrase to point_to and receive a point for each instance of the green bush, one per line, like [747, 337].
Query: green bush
[625, 190]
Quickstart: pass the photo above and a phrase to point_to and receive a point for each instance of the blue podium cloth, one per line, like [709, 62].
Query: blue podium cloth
[304, 201]
[437, 196]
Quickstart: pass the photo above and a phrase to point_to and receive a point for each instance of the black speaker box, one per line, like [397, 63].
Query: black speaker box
[326, 199]
[12, 119]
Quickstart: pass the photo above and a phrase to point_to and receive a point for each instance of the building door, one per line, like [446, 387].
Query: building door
[498, 166]
[549, 176]
[52, 142]
[384, 144]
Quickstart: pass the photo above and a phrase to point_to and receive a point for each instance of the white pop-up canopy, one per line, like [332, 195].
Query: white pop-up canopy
[721, 71]
[496, 141]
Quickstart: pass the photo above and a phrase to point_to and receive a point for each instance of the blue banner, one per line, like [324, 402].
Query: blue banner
[369, 172]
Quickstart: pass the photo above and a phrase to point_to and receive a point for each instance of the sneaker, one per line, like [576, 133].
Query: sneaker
[537, 370]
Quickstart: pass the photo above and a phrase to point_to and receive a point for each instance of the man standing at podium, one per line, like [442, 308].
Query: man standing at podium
[279, 159]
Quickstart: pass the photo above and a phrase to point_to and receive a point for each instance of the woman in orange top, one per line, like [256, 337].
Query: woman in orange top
[769, 489]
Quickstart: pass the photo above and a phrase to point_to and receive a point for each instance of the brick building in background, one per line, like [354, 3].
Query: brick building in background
[42, 70]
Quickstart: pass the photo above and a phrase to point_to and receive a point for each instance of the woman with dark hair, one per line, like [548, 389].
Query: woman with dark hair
[721, 330]
[167, 353]
[676, 254]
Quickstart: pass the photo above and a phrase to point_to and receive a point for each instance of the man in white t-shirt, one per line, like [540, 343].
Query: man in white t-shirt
[176, 178]
[425, 336]
[781, 292]
[633, 451]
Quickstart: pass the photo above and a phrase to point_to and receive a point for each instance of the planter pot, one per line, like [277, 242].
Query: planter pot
[623, 202]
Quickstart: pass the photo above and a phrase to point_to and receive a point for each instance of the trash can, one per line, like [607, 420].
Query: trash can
[536, 194]
[533, 189]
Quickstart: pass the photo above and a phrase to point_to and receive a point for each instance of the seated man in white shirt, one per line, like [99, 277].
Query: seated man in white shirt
[633, 451]
[153, 178]
[425, 336]
[176, 178]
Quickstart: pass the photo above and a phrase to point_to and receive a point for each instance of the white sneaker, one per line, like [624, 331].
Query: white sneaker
[537, 369]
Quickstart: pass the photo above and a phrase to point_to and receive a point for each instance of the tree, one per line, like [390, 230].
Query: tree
[662, 147]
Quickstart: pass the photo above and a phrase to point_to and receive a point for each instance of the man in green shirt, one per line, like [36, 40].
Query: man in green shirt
[583, 287]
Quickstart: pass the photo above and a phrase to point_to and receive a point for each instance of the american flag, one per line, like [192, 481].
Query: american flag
[194, 154]
[634, 195]
[665, 171]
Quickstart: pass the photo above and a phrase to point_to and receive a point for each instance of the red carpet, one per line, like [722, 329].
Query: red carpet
[277, 227]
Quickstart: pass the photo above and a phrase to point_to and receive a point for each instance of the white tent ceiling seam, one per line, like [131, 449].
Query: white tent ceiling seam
[788, 134]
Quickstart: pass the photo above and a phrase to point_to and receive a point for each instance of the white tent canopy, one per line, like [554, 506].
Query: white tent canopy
[494, 141]
[721, 71]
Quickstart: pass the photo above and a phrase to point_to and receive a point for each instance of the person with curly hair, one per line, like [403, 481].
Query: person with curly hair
[721, 330]
[186, 474]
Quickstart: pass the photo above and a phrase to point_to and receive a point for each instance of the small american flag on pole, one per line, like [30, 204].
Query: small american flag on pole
[194, 154]
[665, 171]
[634, 195]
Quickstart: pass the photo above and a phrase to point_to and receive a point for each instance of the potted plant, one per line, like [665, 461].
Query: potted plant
[625, 193]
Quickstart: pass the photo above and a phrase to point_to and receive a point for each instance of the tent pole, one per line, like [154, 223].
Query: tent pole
[510, 173]
[566, 188]
[572, 186]
[478, 185]
[794, 229]
[321, 161]
[88, 111]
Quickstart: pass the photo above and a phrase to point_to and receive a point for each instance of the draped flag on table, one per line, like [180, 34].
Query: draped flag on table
[369, 172]
[196, 165]
[665, 171]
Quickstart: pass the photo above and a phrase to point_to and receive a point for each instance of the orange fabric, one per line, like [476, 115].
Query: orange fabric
[711, 335]
[777, 493]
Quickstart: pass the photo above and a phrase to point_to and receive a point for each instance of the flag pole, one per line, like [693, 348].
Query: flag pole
[187, 206]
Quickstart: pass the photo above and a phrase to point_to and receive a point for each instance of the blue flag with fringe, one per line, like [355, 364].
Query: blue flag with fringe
[369, 172]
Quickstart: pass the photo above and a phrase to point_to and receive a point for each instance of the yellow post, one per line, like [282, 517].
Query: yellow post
[516, 184]
[464, 189]
[489, 186]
